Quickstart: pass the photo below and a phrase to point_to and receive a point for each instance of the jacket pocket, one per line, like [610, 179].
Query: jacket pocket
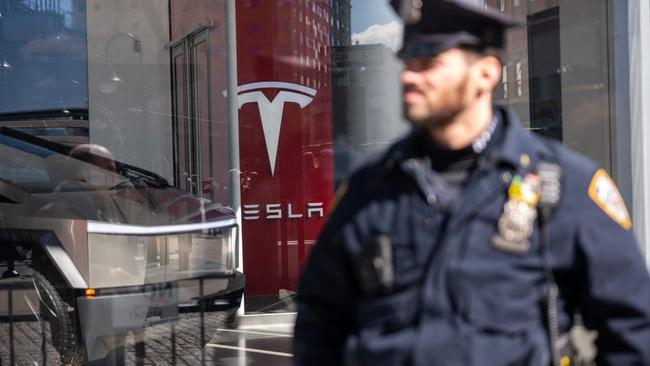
[501, 291]
[389, 312]
[386, 328]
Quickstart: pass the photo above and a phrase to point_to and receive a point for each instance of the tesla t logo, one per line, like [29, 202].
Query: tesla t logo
[271, 110]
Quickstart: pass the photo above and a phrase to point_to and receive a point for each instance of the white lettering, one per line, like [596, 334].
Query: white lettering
[291, 215]
[251, 212]
[276, 211]
[315, 208]
[273, 211]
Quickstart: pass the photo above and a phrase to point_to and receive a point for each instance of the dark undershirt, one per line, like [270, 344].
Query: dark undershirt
[455, 166]
[452, 167]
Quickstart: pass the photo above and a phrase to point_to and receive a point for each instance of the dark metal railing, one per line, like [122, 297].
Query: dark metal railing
[183, 340]
[10, 287]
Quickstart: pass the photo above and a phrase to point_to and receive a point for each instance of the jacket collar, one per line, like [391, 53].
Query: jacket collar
[517, 147]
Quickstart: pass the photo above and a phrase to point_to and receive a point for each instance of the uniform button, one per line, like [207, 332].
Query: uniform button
[506, 177]
[524, 160]
[431, 199]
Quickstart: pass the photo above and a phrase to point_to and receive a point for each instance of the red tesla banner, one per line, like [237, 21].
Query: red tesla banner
[285, 132]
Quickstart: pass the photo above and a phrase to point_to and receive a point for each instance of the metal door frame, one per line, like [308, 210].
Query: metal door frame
[187, 47]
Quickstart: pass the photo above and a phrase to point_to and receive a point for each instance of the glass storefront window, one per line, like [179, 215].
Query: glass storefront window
[556, 72]
[117, 244]
[117, 156]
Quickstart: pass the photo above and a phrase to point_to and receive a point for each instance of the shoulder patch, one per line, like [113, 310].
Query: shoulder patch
[604, 193]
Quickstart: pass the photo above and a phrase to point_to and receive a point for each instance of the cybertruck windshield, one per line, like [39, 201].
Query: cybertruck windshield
[39, 166]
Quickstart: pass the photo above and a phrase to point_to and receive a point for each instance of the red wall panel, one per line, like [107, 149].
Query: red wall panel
[285, 46]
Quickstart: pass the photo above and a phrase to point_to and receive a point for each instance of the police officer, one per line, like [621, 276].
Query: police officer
[472, 241]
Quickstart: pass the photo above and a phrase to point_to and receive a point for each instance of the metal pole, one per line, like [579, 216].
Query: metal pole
[43, 340]
[202, 307]
[210, 122]
[173, 345]
[140, 348]
[639, 36]
[233, 126]
[12, 357]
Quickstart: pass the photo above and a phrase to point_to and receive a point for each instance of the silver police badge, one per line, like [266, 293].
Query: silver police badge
[519, 214]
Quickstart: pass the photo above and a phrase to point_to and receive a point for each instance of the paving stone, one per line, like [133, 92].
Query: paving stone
[158, 342]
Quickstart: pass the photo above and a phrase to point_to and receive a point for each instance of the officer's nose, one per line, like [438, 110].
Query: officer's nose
[409, 77]
[412, 70]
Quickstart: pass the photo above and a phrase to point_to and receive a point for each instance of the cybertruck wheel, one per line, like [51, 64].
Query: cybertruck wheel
[62, 320]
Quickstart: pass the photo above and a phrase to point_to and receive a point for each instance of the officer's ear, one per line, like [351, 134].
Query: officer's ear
[487, 73]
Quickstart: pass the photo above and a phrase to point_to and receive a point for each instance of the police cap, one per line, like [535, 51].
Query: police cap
[433, 26]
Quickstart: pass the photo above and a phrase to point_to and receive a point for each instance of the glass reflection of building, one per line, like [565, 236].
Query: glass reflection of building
[556, 71]
[366, 111]
[365, 101]
[340, 14]
[530, 79]
[43, 74]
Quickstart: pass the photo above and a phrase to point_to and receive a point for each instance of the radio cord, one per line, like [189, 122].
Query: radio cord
[549, 198]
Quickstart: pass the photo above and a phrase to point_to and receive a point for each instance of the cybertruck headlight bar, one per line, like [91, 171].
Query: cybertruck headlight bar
[97, 227]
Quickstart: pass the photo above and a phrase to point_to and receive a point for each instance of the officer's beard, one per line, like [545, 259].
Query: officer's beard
[450, 104]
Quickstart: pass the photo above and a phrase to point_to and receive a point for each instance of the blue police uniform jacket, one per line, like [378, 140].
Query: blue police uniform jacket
[454, 298]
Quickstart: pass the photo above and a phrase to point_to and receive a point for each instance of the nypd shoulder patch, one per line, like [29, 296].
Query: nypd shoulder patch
[604, 193]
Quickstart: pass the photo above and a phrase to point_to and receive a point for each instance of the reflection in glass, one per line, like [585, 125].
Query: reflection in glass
[43, 58]
[555, 73]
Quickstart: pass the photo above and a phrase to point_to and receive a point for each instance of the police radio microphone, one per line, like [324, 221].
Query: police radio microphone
[549, 174]
[550, 190]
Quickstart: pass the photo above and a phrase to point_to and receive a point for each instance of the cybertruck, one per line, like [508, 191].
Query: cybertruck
[111, 249]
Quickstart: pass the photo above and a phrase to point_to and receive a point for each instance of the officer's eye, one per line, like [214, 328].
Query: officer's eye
[434, 62]
[424, 63]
